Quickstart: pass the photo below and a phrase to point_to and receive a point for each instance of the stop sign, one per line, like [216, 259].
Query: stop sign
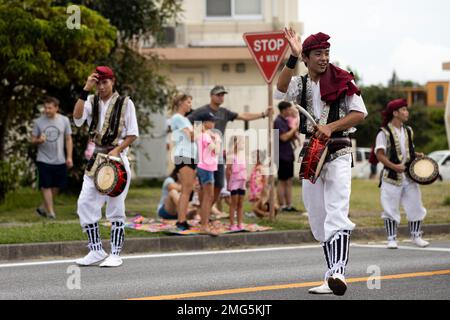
[268, 49]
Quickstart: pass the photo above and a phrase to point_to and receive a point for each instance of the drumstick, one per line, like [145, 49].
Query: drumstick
[110, 157]
[306, 114]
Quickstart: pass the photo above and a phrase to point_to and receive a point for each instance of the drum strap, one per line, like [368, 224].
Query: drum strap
[114, 123]
[302, 126]
[95, 117]
[332, 116]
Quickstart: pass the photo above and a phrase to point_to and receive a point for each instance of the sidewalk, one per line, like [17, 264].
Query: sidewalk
[195, 243]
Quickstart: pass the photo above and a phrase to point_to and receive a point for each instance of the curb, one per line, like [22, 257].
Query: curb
[13, 252]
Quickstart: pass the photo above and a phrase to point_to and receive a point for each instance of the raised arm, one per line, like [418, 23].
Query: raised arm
[296, 51]
[79, 105]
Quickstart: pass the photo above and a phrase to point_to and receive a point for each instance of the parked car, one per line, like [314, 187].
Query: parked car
[442, 157]
[361, 165]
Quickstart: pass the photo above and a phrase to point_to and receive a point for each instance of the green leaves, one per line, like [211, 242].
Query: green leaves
[36, 43]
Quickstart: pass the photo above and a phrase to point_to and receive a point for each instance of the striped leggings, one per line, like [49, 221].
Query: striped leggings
[415, 228]
[337, 253]
[117, 237]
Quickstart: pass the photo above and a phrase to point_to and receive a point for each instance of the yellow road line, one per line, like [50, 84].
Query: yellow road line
[290, 286]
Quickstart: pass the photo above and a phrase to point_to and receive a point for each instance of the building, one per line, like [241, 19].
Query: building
[207, 48]
[433, 94]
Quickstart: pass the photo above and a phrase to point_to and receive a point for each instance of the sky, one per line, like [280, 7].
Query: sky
[376, 37]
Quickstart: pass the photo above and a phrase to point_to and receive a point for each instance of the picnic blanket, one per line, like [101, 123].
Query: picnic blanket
[139, 222]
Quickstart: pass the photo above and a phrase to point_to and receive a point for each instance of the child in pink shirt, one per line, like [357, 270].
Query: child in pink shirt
[236, 178]
[208, 150]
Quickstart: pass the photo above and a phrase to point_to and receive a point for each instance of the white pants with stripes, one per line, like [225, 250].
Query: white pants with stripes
[408, 195]
[90, 201]
[328, 200]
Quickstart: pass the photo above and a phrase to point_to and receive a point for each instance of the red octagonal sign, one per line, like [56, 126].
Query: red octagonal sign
[268, 49]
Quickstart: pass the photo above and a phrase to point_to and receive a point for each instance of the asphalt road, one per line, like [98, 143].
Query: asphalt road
[282, 273]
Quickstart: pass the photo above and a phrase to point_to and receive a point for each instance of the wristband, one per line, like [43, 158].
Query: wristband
[84, 95]
[263, 115]
[292, 62]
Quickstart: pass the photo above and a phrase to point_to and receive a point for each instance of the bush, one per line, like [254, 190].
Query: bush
[9, 178]
[447, 201]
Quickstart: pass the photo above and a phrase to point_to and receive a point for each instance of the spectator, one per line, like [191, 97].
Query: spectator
[373, 163]
[293, 120]
[236, 179]
[185, 154]
[209, 146]
[51, 133]
[171, 191]
[261, 207]
[287, 134]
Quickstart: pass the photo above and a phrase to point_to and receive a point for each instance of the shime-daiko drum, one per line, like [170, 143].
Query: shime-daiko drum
[313, 154]
[110, 177]
[313, 159]
[423, 170]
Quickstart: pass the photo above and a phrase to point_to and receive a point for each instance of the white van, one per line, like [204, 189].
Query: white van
[442, 157]
[361, 165]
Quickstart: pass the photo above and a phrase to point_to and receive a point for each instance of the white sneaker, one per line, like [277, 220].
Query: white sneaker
[337, 284]
[91, 258]
[392, 244]
[112, 261]
[323, 289]
[420, 242]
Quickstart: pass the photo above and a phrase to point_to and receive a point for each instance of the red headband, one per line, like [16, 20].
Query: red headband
[104, 73]
[316, 41]
[392, 106]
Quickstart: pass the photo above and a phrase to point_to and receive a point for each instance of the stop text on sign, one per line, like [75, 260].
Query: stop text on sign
[268, 50]
[268, 44]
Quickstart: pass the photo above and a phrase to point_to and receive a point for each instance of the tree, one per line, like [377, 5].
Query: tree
[38, 51]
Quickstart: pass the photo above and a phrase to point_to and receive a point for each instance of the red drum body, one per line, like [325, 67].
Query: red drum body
[314, 157]
[110, 178]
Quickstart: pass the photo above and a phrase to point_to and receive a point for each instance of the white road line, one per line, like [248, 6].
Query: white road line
[217, 252]
[164, 255]
[377, 246]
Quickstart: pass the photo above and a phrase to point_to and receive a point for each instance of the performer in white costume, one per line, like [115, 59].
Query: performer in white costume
[113, 128]
[329, 94]
[395, 148]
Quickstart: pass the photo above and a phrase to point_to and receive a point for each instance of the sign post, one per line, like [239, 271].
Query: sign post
[268, 50]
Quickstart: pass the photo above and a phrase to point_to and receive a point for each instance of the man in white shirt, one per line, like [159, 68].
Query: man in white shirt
[394, 148]
[113, 138]
[331, 97]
